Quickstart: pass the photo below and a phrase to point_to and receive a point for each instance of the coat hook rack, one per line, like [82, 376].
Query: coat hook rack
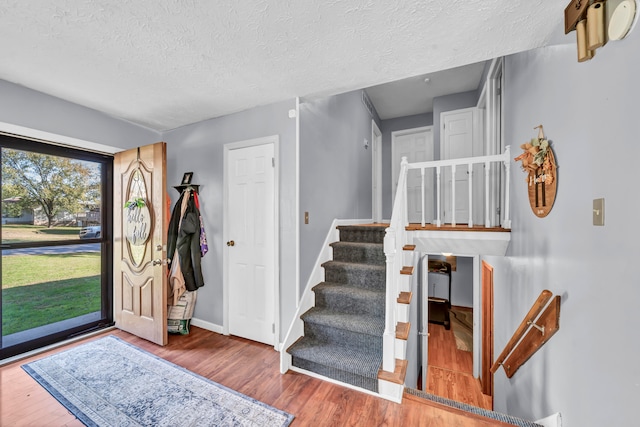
[186, 183]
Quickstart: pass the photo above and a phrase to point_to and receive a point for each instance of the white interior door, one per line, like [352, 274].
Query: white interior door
[417, 146]
[250, 226]
[459, 135]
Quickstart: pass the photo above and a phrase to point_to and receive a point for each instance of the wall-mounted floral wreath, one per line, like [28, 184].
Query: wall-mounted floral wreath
[540, 164]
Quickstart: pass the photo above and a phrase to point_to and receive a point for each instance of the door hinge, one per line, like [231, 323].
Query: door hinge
[273, 328]
[273, 162]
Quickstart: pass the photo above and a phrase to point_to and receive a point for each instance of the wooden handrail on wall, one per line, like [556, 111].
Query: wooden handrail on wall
[532, 333]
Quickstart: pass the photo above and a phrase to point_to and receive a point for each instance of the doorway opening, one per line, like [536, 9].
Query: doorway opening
[449, 343]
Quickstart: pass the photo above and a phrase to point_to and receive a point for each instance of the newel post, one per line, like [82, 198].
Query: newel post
[507, 202]
[389, 337]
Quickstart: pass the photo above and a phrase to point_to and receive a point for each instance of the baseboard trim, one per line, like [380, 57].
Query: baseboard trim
[206, 325]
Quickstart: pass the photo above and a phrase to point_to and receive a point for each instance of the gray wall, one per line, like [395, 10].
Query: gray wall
[199, 148]
[34, 110]
[450, 103]
[589, 370]
[335, 169]
[389, 126]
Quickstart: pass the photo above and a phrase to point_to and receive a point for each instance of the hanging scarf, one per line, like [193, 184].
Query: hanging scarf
[204, 247]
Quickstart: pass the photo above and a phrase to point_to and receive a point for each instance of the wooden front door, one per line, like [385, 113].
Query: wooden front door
[140, 242]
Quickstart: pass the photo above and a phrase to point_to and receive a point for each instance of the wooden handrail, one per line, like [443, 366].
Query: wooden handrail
[531, 316]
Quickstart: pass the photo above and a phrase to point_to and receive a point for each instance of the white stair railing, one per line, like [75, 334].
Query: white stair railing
[464, 166]
[396, 233]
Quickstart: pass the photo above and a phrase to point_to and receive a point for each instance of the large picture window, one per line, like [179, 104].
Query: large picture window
[55, 234]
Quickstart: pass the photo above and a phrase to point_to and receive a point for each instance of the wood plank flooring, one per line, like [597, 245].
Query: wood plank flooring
[451, 370]
[250, 368]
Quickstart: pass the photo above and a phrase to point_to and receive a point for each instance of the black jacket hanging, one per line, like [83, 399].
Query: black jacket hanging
[185, 237]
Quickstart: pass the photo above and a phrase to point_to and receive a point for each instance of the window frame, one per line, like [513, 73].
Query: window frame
[106, 249]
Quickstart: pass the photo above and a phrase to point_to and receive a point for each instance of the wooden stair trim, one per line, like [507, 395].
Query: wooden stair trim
[458, 227]
[402, 330]
[407, 269]
[409, 248]
[398, 375]
[405, 298]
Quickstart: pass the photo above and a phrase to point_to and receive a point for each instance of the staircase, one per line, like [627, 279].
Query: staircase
[343, 332]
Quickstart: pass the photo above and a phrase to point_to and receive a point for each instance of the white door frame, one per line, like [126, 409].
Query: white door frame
[490, 101]
[275, 140]
[376, 168]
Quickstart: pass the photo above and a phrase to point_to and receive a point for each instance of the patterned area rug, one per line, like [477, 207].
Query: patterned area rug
[462, 325]
[109, 382]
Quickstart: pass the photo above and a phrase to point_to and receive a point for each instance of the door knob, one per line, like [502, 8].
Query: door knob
[159, 261]
[231, 243]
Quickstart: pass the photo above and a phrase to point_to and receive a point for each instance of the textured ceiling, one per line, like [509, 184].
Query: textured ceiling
[168, 63]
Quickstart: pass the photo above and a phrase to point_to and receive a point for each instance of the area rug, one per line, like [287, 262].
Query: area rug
[462, 325]
[109, 382]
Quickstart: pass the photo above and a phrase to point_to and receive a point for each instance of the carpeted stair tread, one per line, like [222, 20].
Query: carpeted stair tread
[354, 266]
[358, 233]
[363, 275]
[363, 324]
[365, 364]
[359, 252]
[349, 299]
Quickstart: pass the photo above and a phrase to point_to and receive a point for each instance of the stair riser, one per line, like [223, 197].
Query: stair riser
[362, 236]
[351, 304]
[343, 337]
[364, 255]
[361, 277]
[337, 374]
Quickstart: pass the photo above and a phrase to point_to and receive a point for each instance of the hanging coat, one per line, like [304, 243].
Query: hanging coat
[184, 240]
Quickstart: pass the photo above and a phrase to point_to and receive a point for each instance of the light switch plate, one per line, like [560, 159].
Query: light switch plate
[598, 211]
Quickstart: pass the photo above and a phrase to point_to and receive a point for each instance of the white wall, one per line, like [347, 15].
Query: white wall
[589, 370]
[198, 148]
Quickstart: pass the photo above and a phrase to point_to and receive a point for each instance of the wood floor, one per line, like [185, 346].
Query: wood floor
[250, 368]
[451, 370]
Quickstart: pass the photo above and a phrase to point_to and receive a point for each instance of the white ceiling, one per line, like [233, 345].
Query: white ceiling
[168, 63]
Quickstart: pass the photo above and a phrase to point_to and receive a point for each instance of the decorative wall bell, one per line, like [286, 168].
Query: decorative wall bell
[539, 163]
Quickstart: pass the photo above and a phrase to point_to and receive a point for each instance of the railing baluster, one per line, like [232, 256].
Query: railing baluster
[470, 171]
[507, 167]
[438, 223]
[453, 195]
[422, 192]
[487, 175]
